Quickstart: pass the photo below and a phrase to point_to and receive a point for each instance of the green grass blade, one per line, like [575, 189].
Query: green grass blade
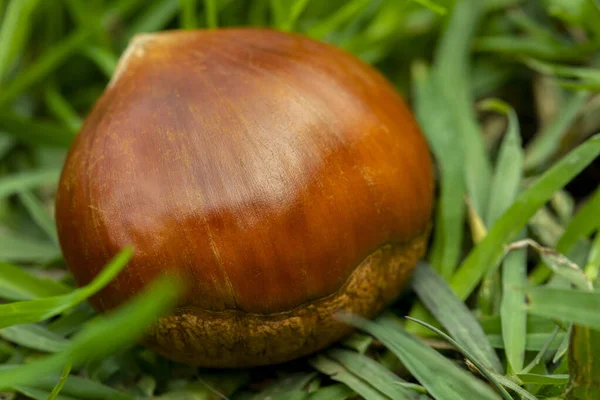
[436, 8]
[334, 21]
[39, 215]
[523, 46]
[442, 378]
[592, 267]
[154, 17]
[61, 382]
[35, 337]
[454, 315]
[584, 363]
[36, 132]
[437, 124]
[506, 180]
[99, 340]
[18, 248]
[189, 14]
[37, 394]
[333, 392]
[16, 284]
[546, 142]
[52, 58]
[14, 30]
[12, 184]
[296, 9]
[540, 355]
[506, 382]
[452, 67]
[78, 387]
[374, 373]
[512, 310]
[104, 59]
[338, 373]
[533, 341]
[483, 369]
[488, 253]
[210, 9]
[31, 311]
[579, 307]
[581, 225]
[61, 108]
[536, 379]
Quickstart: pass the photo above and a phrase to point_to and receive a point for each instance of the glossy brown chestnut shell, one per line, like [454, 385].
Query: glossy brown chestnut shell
[283, 178]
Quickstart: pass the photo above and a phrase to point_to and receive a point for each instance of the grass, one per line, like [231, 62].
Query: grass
[506, 94]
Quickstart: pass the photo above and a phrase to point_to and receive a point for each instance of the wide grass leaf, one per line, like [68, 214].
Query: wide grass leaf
[488, 253]
[454, 315]
[30, 311]
[35, 337]
[374, 373]
[584, 364]
[436, 121]
[14, 183]
[568, 305]
[106, 336]
[512, 310]
[333, 392]
[16, 284]
[443, 379]
[338, 373]
[19, 248]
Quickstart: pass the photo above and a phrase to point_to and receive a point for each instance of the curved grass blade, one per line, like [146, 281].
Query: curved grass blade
[487, 254]
[35, 337]
[437, 124]
[374, 373]
[483, 369]
[99, 340]
[17, 248]
[333, 392]
[512, 310]
[39, 215]
[26, 180]
[568, 305]
[440, 376]
[338, 373]
[25, 312]
[545, 143]
[35, 132]
[454, 315]
[16, 284]
[61, 382]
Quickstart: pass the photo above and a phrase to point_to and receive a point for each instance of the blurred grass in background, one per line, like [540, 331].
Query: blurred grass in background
[505, 91]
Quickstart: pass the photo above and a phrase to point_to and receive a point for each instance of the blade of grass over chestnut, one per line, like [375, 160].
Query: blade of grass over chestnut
[486, 255]
[374, 373]
[441, 377]
[454, 315]
[338, 373]
[25, 312]
[577, 306]
[98, 339]
[17, 284]
[453, 69]
[436, 122]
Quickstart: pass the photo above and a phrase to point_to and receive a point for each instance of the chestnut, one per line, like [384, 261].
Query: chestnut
[282, 178]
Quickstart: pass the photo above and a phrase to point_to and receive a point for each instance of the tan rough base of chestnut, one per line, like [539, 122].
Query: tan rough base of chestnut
[231, 339]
